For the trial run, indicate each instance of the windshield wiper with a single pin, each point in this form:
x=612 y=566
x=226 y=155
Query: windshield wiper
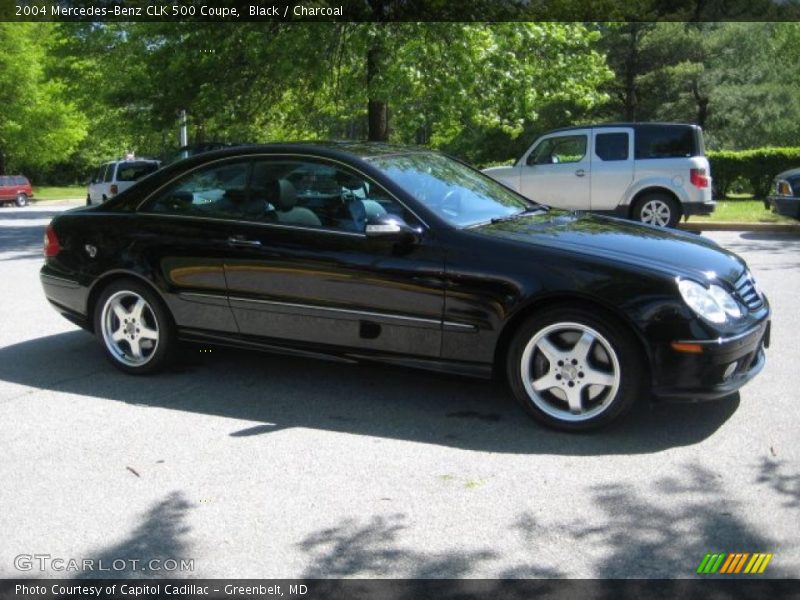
x=522 y=213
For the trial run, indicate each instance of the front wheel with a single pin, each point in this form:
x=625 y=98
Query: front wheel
x=573 y=371
x=657 y=209
x=134 y=328
x=22 y=200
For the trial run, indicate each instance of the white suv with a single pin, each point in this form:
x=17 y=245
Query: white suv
x=113 y=177
x=650 y=172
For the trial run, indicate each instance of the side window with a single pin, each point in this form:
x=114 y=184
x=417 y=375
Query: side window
x=664 y=142
x=611 y=146
x=562 y=149
x=109 y=175
x=316 y=194
x=218 y=191
x=4 y=181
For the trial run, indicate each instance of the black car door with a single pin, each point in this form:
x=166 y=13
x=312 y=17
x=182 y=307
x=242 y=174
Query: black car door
x=301 y=268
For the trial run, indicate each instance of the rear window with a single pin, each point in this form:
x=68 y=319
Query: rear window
x=668 y=142
x=135 y=170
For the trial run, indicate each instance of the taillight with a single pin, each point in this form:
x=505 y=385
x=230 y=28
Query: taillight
x=114 y=189
x=51 y=243
x=698 y=178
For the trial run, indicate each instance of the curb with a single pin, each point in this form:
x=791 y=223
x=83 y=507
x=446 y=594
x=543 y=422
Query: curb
x=722 y=226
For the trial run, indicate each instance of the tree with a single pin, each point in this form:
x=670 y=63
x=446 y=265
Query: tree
x=38 y=124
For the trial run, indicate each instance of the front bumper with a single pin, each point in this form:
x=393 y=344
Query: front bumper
x=787 y=206
x=719 y=369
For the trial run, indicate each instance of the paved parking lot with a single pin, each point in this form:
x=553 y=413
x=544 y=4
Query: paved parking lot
x=256 y=465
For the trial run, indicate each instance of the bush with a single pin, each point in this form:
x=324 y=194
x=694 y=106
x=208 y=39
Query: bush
x=757 y=167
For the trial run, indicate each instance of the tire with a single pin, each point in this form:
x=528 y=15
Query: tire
x=134 y=328
x=657 y=209
x=22 y=200
x=573 y=371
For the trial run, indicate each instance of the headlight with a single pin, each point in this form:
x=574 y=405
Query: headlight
x=712 y=303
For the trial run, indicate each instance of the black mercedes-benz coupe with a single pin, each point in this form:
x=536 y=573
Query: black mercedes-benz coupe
x=405 y=256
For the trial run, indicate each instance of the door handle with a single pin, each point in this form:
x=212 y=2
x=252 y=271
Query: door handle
x=238 y=240
x=580 y=172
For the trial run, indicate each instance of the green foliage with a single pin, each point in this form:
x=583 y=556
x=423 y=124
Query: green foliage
x=39 y=125
x=756 y=167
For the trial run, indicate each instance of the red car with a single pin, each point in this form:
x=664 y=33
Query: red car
x=16 y=189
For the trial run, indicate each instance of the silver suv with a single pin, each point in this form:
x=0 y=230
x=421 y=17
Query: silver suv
x=117 y=175
x=650 y=172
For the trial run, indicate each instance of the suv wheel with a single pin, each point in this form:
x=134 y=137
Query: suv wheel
x=22 y=200
x=573 y=371
x=657 y=209
x=135 y=330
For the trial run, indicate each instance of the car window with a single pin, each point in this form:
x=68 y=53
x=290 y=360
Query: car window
x=217 y=191
x=455 y=192
x=4 y=181
x=611 y=146
x=318 y=194
x=109 y=173
x=561 y=149
x=664 y=142
x=131 y=171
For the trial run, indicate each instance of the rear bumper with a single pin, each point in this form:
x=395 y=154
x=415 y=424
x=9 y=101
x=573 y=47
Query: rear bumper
x=723 y=366
x=66 y=296
x=698 y=208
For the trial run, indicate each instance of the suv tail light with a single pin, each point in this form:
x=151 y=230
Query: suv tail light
x=114 y=189
x=698 y=178
x=51 y=244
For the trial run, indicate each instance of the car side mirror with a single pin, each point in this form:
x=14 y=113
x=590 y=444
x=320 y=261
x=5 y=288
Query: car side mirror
x=392 y=228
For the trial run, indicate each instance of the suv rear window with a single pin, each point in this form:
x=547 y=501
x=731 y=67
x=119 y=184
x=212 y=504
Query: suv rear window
x=666 y=142
x=132 y=171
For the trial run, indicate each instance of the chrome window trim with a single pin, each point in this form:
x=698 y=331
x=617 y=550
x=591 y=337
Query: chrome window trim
x=270 y=225
x=253 y=157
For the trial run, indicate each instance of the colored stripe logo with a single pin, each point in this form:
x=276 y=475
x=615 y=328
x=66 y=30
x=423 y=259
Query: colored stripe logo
x=734 y=563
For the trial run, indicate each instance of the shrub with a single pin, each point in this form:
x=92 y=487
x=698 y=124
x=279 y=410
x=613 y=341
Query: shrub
x=757 y=167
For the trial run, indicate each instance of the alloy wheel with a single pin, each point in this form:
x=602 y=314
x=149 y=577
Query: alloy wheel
x=570 y=372
x=129 y=328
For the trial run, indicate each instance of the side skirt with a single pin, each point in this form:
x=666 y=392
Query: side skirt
x=342 y=355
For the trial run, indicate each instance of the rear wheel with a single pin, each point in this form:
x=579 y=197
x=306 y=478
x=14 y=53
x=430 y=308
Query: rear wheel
x=657 y=209
x=572 y=370
x=22 y=200
x=135 y=330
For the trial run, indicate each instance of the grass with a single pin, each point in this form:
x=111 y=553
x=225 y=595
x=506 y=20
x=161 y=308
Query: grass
x=59 y=193
x=741 y=211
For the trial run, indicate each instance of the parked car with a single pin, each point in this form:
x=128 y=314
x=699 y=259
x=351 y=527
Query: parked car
x=650 y=172
x=387 y=254
x=785 y=195
x=116 y=176
x=16 y=189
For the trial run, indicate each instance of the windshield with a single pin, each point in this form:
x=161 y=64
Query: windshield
x=458 y=194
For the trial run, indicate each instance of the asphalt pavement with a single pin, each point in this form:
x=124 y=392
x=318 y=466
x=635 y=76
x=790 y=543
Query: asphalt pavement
x=256 y=465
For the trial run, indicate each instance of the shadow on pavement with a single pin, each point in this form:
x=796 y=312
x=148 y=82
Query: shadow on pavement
x=278 y=392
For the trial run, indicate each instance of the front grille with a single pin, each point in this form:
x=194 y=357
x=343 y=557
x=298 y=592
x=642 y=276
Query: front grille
x=747 y=292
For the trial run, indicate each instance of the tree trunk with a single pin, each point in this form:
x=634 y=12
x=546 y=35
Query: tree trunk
x=377 y=109
x=702 y=104
x=631 y=70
